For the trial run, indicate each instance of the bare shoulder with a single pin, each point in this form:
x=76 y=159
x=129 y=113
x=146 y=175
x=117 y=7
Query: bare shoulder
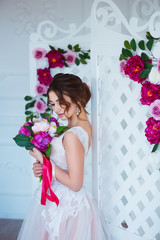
x=70 y=140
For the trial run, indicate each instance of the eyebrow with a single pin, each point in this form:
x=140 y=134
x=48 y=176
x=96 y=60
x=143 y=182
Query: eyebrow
x=52 y=101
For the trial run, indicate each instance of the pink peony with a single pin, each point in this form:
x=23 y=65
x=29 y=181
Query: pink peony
x=41 y=126
x=152 y=131
x=122 y=64
x=24 y=130
x=39 y=53
x=40 y=106
x=155 y=109
x=55 y=59
x=149 y=93
x=44 y=76
x=134 y=67
x=52 y=119
x=40 y=89
x=41 y=141
x=158 y=65
x=70 y=57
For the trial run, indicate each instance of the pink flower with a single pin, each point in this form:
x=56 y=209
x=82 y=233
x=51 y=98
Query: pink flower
x=133 y=67
x=152 y=132
x=41 y=126
x=155 y=109
x=44 y=76
x=149 y=93
x=158 y=65
x=55 y=59
x=39 y=53
x=122 y=64
x=40 y=89
x=70 y=57
x=52 y=119
x=24 y=130
x=41 y=141
x=40 y=106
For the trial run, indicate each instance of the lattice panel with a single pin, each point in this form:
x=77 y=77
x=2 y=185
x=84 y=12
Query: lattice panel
x=129 y=187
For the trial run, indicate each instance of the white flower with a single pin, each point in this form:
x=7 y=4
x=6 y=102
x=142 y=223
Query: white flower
x=154 y=76
x=52 y=129
x=154 y=159
x=43 y=63
x=41 y=126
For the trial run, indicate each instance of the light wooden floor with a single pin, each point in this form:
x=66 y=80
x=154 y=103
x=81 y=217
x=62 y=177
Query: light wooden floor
x=9 y=229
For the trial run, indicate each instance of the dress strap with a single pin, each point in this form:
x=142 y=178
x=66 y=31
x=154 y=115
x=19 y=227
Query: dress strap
x=82 y=135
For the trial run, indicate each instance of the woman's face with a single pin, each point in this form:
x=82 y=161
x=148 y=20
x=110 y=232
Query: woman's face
x=59 y=110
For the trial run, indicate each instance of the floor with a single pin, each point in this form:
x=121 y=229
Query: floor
x=9 y=229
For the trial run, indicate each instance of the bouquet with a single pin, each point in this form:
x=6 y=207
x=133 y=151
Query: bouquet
x=39 y=133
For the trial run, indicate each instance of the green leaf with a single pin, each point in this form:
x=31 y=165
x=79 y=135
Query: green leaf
x=77 y=61
x=149 y=44
x=45 y=95
x=40 y=178
x=30 y=104
x=126 y=53
x=70 y=47
x=155 y=147
x=141 y=45
x=133 y=44
x=61 y=50
x=61 y=129
x=77 y=48
x=144 y=56
x=28 y=118
x=28 y=98
x=29 y=146
x=49 y=117
x=127 y=45
x=28 y=112
x=83 y=61
x=148 y=65
x=51 y=47
x=121 y=57
x=86 y=55
x=148 y=35
x=22 y=140
x=82 y=56
x=47 y=152
x=144 y=73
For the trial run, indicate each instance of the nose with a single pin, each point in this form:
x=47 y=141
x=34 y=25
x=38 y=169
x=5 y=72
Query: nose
x=57 y=108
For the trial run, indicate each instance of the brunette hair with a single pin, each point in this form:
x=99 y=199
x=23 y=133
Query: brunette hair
x=72 y=86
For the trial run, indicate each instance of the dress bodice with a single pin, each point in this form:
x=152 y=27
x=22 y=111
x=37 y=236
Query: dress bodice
x=58 y=152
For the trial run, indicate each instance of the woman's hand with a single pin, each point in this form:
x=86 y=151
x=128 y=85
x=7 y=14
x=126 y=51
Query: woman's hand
x=37 y=169
x=36 y=154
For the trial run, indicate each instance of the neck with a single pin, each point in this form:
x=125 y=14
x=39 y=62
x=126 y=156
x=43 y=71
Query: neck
x=77 y=120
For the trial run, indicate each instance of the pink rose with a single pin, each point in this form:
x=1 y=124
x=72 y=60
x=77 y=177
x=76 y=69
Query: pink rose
x=133 y=67
x=149 y=93
x=152 y=132
x=39 y=53
x=70 y=57
x=44 y=76
x=55 y=59
x=41 y=141
x=24 y=130
x=122 y=64
x=155 y=109
x=40 y=89
x=40 y=106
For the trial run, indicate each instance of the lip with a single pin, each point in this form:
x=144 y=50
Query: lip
x=60 y=115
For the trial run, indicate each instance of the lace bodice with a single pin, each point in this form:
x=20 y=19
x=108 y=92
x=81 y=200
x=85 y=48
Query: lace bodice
x=58 y=152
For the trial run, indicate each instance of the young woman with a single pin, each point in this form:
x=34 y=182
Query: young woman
x=76 y=216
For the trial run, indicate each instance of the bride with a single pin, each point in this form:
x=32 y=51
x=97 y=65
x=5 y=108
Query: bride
x=76 y=216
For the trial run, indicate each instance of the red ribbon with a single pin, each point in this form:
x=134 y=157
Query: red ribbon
x=46 y=182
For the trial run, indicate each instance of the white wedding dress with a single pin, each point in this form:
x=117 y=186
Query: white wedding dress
x=76 y=217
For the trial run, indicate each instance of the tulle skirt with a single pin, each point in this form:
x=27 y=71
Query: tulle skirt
x=76 y=217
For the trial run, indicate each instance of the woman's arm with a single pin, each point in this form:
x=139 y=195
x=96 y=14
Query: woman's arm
x=74 y=151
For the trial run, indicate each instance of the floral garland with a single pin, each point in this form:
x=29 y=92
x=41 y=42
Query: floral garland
x=145 y=69
x=36 y=107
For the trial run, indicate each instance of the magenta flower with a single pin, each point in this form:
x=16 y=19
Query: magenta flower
x=122 y=64
x=24 y=130
x=41 y=140
x=70 y=57
x=155 y=109
x=44 y=76
x=40 y=106
x=133 y=67
x=40 y=89
x=149 y=93
x=158 y=65
x=152 y=131
x=52 y=119
x=39 y=53
x=55 y=59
